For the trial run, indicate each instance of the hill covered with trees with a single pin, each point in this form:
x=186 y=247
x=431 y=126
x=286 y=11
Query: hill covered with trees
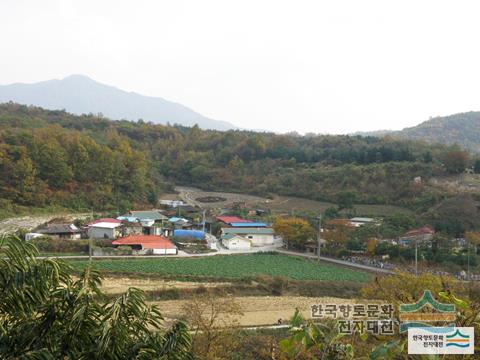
x=462 y=129
x=84 y=162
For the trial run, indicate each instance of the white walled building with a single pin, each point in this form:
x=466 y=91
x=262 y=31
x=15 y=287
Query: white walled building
x=236 y=242
x=257 y=236
x=104 y=230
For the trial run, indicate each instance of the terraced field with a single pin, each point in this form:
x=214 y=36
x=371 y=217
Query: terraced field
x=232 y=266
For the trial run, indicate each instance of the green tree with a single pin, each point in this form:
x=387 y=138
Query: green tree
x=315 y=341
x=46 y=313
x=476 y=166
x=346 y=199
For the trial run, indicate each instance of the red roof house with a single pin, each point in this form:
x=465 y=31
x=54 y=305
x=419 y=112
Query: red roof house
x=232 y=219
x=159 y=244
x=423 y=234
x=425 y=230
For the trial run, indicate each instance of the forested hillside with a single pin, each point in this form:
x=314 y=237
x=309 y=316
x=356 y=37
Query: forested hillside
x=462 y=129
x=84 y=162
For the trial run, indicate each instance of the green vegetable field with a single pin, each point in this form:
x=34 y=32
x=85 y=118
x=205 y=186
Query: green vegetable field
x=232 y=266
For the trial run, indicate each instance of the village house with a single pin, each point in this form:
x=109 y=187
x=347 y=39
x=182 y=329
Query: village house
x=148 y=215
x=359 y=221
x=131 y=227
x=421 y=235
x=257 y=236
x=148 y=244
x=180 y=223
x=61 y=231
x=105 y=230
x=236 y=242
x=171 y=203
x=232 y=219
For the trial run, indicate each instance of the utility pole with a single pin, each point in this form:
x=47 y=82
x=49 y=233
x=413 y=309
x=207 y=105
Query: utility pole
x=89 y=249
x=203 y=221
x=416 y=257
x=319 y=240
x=90 y=244
x=468 y=260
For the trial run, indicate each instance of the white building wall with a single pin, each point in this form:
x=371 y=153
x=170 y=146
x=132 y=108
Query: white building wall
x=237 y=243
x=260 y=239
x=164 y=251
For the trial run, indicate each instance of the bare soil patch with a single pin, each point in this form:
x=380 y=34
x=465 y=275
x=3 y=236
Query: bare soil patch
x=118 y=285
x=11 y=225
x=259 y=310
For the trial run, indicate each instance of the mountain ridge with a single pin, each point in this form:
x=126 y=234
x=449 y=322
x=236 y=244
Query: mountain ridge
x=80 y=94
x=462 y=129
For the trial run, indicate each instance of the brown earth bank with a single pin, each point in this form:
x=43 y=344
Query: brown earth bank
x=118 y=285
x=258 y=310
x=29 y=222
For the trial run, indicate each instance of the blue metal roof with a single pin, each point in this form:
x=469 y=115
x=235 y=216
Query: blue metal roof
x=175 y=219
x=249 y=224
x=197 y=234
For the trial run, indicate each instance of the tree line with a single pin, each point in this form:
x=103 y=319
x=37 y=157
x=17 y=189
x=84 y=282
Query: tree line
x=56 y=158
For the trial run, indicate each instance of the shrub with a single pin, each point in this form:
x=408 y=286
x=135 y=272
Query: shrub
x=49 y=245
x=124 y=250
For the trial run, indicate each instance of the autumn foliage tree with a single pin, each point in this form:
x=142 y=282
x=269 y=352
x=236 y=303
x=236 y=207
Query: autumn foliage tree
x=294 y=231
x=456 y=161
x=337 y=232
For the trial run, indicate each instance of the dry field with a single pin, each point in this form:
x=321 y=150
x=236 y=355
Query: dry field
x=288 y=204
x=118 y=285
x=259 y=310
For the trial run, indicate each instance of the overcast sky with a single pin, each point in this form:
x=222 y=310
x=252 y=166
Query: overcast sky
x=310 y=66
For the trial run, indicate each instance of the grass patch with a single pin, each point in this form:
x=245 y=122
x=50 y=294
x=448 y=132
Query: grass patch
x=232 y=267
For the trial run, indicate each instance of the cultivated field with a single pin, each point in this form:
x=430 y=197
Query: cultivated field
x=287 y=204
x=232 y=266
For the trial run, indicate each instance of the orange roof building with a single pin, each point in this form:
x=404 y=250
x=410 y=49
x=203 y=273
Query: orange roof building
x=158 y=244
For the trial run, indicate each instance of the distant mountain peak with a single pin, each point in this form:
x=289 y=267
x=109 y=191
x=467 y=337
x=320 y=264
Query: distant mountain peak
x=80 y=94
x=77 y=77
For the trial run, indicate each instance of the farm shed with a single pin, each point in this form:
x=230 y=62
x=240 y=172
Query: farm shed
x=258 y=236
x=104 y=230
x=61 y=231
x=158 y=244
x=236 y=242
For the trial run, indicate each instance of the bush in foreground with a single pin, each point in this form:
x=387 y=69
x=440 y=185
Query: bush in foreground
x=45 y=313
